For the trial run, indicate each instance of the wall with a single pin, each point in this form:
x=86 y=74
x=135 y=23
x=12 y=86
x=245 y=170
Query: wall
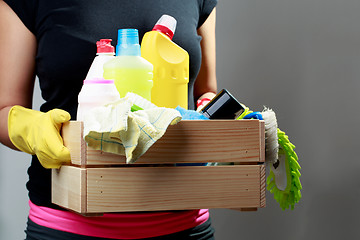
x=301 y=58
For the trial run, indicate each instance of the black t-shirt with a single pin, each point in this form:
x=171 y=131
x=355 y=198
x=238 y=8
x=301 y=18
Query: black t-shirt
x=67 y=31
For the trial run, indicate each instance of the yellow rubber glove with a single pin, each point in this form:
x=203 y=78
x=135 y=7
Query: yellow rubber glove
x=38 y=133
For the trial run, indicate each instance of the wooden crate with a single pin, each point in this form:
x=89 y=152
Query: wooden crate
x=99 y=182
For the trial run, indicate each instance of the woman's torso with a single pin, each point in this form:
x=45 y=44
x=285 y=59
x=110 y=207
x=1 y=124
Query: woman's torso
x=67 y=31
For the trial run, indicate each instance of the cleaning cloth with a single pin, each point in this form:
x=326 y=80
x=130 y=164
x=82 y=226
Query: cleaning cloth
x=114 y=128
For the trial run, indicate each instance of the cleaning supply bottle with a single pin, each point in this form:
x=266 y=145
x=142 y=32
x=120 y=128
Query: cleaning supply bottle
x=130 y=72
x=105 y=52
x=171 y=65
x=95 y=92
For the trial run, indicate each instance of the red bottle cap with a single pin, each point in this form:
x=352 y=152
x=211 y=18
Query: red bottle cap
x=104 y=46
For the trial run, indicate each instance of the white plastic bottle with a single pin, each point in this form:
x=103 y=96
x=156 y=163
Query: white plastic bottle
x=96 y=91
x=105 y=52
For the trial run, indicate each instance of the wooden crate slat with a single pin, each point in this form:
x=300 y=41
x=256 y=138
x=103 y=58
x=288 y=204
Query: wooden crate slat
x=72 y=134
x=68 y=188
x=204 y=141
x=173 y=188
x=262 y=141
x=262 y=186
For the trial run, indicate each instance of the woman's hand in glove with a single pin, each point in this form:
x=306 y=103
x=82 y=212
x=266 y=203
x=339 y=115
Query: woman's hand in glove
x=38 y=133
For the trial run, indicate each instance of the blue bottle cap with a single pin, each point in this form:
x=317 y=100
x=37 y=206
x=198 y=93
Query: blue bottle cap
x=128 y=42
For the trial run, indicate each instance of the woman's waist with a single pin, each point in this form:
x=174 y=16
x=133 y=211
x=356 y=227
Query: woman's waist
x=118 y=225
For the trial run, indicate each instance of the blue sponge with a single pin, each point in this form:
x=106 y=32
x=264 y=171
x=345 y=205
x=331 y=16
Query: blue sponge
x=190 y=114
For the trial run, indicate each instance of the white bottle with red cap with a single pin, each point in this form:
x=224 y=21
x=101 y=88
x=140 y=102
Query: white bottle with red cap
x=96 y=91
x=105 y=52
x=171 y=65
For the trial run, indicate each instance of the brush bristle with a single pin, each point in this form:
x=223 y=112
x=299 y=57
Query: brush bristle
x=271 y=137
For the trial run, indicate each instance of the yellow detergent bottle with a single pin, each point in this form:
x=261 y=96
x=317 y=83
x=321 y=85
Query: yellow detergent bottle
x=171 y=65
x=130 y=72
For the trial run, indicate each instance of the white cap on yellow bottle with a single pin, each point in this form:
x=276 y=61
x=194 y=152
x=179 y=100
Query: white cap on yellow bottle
x=166 y=25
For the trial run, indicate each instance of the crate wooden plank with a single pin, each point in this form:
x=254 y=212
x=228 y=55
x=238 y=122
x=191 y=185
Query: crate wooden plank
x=69 y=188
x=188 y=141
x=174 y=188
x=262 y=186
x=262 y=141
x=72 y=134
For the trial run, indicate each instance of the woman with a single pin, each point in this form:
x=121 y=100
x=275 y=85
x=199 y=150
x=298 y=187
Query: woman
x=55 y=40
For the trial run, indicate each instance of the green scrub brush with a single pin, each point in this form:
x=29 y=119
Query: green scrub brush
x=284 y=177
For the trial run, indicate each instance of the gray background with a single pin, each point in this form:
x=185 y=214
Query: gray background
x=301 y=58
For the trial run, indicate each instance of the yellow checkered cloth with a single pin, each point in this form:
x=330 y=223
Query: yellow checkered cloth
x=114 y=128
